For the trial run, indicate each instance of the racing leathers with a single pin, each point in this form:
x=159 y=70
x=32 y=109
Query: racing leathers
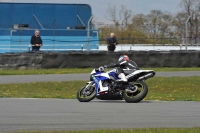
x=124 y=67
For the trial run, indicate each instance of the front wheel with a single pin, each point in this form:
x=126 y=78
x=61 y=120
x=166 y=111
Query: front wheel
x=87 y=93
x=139 y=95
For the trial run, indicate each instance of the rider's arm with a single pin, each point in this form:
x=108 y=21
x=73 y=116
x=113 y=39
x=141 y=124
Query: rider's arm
x=118 y=64
x=113 y=65
x=123 y=62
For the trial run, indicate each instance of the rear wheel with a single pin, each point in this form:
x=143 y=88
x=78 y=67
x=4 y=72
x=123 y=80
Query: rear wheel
x=139 y=95
x=87 y=93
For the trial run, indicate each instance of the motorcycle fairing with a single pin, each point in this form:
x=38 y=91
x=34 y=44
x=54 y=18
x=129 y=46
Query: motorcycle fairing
x=98 y=78
x=139 y=72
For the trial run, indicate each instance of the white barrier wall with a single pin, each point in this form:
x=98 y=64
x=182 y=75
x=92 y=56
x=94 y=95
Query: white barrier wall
x=143 y=47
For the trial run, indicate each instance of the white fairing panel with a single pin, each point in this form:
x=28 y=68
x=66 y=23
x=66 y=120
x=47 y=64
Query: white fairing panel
x=138 y=72
x=102 y=89
x=93 y=72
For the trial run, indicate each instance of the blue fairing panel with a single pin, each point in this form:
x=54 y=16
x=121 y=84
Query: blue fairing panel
x=113 y=74
x=103 y=78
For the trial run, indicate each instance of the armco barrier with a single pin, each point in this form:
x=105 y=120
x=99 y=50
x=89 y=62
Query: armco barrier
x=84 y=59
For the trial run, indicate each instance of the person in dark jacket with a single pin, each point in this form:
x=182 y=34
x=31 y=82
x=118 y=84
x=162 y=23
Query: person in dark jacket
x=112 y=42
x=36 y=41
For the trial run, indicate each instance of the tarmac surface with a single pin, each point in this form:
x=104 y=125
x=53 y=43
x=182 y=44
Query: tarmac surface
x=71 y=77
x=57 y=114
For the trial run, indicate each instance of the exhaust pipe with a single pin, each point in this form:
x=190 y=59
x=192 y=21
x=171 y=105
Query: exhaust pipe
x=150 y=75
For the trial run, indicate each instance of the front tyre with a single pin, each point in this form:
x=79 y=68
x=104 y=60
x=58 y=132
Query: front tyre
x=87 y=93
x=139 y=95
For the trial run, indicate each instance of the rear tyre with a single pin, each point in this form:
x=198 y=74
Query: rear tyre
x=87 y=93
x=139 y=95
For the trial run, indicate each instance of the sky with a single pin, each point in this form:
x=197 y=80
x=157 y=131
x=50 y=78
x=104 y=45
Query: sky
x=137 y=6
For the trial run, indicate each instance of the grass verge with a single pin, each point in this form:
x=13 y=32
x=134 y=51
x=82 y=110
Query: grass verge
x=163 y=89
x=150 y=130
x=46 y=71
x=80 y=70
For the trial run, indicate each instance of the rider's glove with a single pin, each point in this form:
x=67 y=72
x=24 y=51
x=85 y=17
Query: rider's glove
x=101 y=69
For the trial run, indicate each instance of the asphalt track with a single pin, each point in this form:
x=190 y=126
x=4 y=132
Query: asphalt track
x=56 y=114
x=71 y=77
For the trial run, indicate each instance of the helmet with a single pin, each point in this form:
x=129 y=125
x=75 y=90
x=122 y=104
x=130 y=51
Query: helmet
x=123 y=57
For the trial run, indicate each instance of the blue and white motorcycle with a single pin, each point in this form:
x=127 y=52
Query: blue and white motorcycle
x=106 y=83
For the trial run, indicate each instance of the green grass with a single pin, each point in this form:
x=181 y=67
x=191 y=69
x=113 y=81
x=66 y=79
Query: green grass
x=41 y=90
x=166 y=89
x=45 y=71
x=80 y=70
x=167 y=69
x=174 y=88
x=149 y=130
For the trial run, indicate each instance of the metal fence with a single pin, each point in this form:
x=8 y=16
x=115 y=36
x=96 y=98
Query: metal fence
x=17 y=39
x=140 y=33
x=14 y=39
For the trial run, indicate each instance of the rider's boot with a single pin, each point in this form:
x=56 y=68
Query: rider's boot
x=122 y=78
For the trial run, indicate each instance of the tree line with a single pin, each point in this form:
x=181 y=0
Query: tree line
x=157 y=27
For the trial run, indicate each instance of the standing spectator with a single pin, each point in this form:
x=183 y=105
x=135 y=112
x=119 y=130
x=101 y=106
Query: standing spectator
x=36 y=41
x=112 y=42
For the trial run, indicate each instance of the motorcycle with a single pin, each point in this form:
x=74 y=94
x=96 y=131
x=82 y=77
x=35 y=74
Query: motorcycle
x=107 y=83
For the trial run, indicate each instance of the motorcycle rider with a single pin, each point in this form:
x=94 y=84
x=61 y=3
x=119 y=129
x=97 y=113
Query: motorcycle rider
x=124 y=66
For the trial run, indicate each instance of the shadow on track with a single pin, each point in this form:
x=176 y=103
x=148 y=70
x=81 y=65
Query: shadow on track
x=117 y=101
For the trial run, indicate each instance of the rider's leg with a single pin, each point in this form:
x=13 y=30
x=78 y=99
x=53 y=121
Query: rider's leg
x=122 y=77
